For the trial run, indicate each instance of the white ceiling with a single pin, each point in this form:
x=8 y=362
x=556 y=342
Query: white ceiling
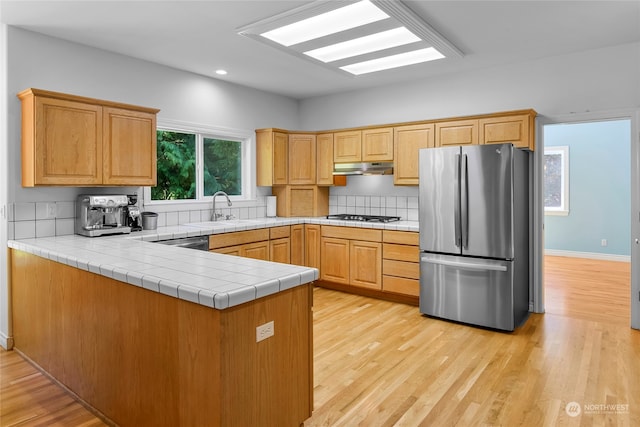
x=200 y=36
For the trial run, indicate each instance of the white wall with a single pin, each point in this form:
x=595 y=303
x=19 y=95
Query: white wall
x=47 y=63
x=595 y=80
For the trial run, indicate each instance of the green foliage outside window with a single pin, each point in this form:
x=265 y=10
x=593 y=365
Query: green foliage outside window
x=176 y=166
x=176 y=151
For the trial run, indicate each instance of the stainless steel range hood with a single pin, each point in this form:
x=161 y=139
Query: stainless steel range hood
x=366 y=168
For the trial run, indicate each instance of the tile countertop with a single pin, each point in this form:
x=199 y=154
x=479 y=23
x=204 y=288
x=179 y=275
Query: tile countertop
x=211 y=279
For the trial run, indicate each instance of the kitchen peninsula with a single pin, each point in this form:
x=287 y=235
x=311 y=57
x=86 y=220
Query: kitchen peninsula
x=149 y=334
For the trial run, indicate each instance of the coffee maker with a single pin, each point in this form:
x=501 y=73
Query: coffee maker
x=97 y=215
x=131 y=213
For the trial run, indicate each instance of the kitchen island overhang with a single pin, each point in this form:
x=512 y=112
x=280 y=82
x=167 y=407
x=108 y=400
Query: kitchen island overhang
x=154 y=350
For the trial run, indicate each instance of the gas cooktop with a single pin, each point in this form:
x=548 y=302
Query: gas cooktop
x=364 y=218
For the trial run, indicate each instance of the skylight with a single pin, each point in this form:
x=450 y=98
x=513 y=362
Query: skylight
x=362 y=37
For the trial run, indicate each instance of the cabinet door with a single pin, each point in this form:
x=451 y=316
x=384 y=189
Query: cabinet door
x=312 y=245
x=129 y=147
x=324 y=159
x=280 y=158
x=229 y=250
x=459 y=132
x=68 y=144
x=377 y=145
x=258 y=250
x=408 y=140
x=334 y=254
x=365 y=260
x=499 y=130
x=280 y=250
x=347 y=147
x=302 y=159
x=297 y=244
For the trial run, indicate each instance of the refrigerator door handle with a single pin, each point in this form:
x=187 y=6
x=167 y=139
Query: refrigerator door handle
x=465 y=265
x=456 y=207
x=464 y=201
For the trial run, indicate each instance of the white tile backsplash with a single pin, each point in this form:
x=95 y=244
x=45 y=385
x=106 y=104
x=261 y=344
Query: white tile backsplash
x=25 y=229
x=406 y=207
x=46 y=228
x=24 y=211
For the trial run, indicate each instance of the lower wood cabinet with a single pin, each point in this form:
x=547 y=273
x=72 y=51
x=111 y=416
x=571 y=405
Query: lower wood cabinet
x=401 y=262
x=251 y=244
x=351 y=256
x=297 y=245
x=312 y=249
x=280 y=244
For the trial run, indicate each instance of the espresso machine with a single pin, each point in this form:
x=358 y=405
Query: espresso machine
x=131 y=213
x=100 y=215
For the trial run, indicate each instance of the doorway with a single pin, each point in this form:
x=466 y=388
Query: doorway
x=587 y=196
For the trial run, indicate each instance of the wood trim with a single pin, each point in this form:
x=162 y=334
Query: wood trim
x=368 y=292
x=83 y=99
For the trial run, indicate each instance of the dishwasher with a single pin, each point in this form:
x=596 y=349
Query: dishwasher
x=199 y=242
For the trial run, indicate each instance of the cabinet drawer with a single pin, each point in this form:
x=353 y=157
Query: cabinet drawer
x=237 y=238
x=409 y=270
x=401 y=285
x=366 y=234
x=401 y=237
x=400 y=252
x=279 y=232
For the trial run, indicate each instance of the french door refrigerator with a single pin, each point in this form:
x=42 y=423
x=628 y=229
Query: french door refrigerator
x=474 y=234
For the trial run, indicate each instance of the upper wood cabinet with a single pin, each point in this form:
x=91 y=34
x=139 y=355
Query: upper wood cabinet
x=69 y=140
x=302 y=159
x=517 y=130
x=369 y=145
x=408 y=140
x=458 y=132
x=272 y=157
x=347 y=147
x=324 y=159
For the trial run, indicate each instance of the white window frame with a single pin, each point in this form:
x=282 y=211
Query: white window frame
x=201 y=132
x=563 y=209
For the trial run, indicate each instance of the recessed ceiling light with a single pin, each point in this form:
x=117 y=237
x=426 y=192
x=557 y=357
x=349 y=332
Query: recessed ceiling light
x=221 y=72
x=337 y=20
x=360 y=46
x=394 y=61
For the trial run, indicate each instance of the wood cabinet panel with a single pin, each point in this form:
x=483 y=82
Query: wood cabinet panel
x=408 y=140
x=229 y=250
x=257 y=250
x=302 y=159
x=409 y=270
x=324 y=159
x=129 y=147
x=365 y=264
x=301 y=200
x=70 y=322
x=297 y=244
x=237 y=238
x=280 y=250
x=401 y=252
x=279 y=232
x=312 y=245
x=347 y=147
x=458 y=132
x=401 y=237
x=272 y=157
x=367 y=234
x=377 y=145
x=508 y=129
x=334 y=260
x=401 y=285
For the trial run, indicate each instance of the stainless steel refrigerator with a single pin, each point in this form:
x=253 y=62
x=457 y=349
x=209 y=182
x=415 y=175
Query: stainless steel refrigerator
x=474 y=234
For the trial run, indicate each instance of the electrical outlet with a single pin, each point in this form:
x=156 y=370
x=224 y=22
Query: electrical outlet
x=264 y=331
x=603 y=242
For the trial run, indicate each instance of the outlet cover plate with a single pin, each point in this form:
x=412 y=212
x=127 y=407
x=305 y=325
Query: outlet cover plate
x=264 y=331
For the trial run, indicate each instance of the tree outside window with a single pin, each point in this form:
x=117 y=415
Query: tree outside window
x=556 y=180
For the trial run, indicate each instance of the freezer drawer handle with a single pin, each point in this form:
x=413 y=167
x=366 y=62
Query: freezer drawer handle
x=466 y=265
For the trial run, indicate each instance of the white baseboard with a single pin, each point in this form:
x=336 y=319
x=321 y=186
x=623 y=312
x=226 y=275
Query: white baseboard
x=590 y=255
x=6 y=342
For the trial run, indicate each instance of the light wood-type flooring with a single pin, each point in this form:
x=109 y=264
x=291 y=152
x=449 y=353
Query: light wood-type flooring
x=382 y=364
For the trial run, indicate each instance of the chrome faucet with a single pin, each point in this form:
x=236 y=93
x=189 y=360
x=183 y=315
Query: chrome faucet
x=214 y=215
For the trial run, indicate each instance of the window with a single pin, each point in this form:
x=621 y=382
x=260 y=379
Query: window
x=556 y=180
x=194 y=163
